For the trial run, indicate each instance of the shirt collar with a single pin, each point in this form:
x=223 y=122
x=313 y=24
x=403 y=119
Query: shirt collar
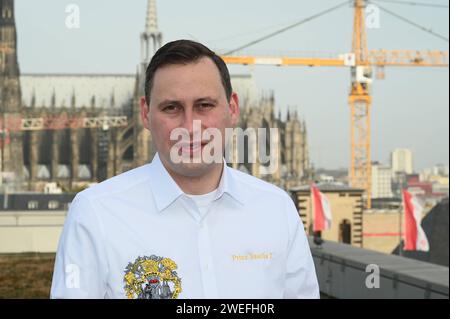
x=229 y=185
x=166 y=190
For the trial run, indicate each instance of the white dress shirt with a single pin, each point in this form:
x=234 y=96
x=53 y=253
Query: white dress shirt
x=137 y=235
x=204 y=201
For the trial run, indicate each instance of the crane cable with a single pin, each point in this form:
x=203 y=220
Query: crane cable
x=421 y=4
x=317 y=15
x=408 y=21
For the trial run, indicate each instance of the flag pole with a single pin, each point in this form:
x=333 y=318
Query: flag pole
x=400 y=213
x=310 y=212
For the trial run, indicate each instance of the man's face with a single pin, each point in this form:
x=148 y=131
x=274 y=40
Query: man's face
x=182 y=94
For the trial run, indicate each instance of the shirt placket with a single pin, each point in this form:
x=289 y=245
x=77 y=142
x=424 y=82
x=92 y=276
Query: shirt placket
x=205 y=252
x=206 y=261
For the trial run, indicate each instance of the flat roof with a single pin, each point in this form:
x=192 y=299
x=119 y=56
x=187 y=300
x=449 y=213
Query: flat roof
x=412 y=271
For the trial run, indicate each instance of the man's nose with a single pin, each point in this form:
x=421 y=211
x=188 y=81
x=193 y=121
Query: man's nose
x=189 y=124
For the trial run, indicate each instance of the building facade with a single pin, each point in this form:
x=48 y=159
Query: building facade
x=346 y=205
x=74 y=155
x=402 y=161
x=381 y=181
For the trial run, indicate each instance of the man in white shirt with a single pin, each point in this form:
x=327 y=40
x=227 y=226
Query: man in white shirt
x=184 y=229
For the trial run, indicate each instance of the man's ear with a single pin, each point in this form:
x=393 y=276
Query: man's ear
x=145 y=111
x=234 y=108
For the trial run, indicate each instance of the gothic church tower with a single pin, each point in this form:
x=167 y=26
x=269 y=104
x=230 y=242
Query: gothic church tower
x=151 y=41
x=10 y=96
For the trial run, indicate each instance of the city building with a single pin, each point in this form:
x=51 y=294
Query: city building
x=402 y=161
x=381 y=181
x=346 y=205
x=430 y=192
x=438 y=176
x=81 y=129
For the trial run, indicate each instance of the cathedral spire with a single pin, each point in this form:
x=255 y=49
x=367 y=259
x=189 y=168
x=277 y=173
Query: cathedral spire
x=151 y=38
x=151 y=25
x=33 y=98
x=53 y=99
x=151 y=41
x=10 y=94
x=9 y=66
x=73 y=99
x=113 y=98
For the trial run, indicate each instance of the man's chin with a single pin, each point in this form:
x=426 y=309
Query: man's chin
x=192 y=169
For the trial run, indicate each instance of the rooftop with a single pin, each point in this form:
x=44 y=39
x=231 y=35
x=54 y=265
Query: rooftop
x=343 y=272
x=327 y=187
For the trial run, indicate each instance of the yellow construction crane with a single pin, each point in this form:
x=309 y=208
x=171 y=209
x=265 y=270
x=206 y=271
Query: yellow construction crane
x=360 y=61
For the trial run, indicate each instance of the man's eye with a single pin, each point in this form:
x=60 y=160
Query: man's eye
x=206 y=105
x=171 y=108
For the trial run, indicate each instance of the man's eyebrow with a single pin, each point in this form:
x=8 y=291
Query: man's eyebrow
x=206 y=99
x=179 y=103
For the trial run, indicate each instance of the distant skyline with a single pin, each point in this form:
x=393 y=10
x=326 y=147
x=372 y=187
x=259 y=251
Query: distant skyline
x=410 y=107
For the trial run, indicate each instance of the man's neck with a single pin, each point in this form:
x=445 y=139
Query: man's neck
x=199 y=185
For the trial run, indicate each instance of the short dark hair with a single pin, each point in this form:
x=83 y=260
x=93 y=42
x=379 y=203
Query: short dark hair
x=184 y=52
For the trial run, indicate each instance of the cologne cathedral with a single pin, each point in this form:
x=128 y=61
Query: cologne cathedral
x=75 y=129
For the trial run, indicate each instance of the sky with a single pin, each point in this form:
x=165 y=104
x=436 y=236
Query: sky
x=410 y=107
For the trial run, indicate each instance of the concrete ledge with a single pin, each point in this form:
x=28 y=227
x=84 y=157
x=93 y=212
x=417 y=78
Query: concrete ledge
x=30 y=231
x=341 y=271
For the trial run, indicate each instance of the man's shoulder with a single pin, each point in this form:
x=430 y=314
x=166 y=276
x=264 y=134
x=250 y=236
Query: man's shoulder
x=121 y=183
x=257 y=185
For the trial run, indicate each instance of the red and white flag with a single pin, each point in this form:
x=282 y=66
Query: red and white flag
x=415 y=238
x=322 y=210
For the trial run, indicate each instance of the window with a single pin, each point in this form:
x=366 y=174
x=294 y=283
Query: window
x=53 y=204
x=345 y=232
x=33 y=204
x=6 y=13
